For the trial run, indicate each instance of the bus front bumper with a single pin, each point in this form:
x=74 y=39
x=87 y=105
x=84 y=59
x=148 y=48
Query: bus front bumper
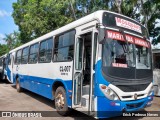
x=107 y=108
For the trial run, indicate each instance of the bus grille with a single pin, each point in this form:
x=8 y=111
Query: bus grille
x=132 y=88
x=136 y=105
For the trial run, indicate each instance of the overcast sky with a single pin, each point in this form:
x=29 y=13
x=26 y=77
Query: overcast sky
x=7 y=25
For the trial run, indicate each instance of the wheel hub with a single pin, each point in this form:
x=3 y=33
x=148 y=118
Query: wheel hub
x=60 y=101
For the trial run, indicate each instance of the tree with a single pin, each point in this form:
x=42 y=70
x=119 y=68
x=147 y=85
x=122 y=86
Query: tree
x=150 y=11
x=3 y=49
x=12 y=40
x=9 y=40
x=38 y=17
x=144 y=11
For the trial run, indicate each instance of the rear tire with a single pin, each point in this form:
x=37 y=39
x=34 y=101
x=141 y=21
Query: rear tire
x=18 y=87
x=61 y=101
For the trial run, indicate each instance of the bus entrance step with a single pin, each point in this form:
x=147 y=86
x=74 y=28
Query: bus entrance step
x=85 y=101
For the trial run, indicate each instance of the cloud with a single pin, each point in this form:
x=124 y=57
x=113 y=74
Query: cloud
x=4 y=13
x=1 y=36
x=1 y=39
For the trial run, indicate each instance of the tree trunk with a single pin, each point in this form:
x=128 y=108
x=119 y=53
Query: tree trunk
x=119 y=4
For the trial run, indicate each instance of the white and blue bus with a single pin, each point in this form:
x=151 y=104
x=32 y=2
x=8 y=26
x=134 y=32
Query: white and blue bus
x=3 y=66
x=99 y=64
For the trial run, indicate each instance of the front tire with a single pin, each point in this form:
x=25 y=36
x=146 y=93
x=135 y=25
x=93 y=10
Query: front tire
x=61 y=101
x=18 y=87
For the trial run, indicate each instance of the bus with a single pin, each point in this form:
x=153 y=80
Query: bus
x=99 y=65
x=3 y=67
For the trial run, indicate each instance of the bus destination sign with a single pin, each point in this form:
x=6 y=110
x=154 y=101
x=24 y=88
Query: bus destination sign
x=127 y=24
x=131 y=39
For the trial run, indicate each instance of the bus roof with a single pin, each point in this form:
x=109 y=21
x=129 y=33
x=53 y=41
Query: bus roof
x=3 y=56
x=93 y=16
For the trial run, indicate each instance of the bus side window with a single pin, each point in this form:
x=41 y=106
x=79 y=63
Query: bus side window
x=25 y=55
x=33 y=54
x=64 y=47
x=45 y=51
x=18 y=57
x=9 y=59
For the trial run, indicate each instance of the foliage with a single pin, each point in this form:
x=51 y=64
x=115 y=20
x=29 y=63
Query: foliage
x=12 y=40
x=3 y=49
x=144 y=11
x=151 y=13
x=38 y=17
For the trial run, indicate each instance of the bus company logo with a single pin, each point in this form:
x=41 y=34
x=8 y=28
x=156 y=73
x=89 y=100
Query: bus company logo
x=135 y=96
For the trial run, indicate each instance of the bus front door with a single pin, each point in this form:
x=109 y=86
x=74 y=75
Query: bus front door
x=78 y=72
x=12 y=63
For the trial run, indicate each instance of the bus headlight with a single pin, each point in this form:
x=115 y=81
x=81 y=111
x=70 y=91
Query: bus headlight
x=108 y=92
x=151 y=91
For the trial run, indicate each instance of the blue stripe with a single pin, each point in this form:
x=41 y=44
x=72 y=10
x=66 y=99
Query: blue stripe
x=8 y=73
x=43 y=86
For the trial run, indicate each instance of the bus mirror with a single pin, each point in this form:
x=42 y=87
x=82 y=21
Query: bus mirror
x=101 y=36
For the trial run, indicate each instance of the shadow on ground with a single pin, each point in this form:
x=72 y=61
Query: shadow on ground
x=76 y=115
x=73 y=113
x=4 y=81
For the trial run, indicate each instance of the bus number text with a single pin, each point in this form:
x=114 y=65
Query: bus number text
x=64 y=70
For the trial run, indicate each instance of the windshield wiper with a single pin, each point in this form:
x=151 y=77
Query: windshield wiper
x=122 y=32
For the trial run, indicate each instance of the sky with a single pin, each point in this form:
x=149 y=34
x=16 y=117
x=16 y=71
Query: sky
x=7 y=25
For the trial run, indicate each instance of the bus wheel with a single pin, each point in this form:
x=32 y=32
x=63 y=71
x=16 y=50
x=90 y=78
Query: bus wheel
x=61 y=101
x=18 y=87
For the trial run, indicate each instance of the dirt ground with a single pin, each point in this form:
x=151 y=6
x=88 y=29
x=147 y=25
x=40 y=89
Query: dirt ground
x=11 y=100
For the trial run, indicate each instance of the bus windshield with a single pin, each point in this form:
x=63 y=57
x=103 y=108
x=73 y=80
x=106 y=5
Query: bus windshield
x=143 y=57
x=117 y=53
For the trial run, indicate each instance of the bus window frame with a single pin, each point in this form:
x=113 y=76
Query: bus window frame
x=55 y=39
x=9 y=59
x=51 y=50
x=26 y=55
x=34 y=53
x=16 y=57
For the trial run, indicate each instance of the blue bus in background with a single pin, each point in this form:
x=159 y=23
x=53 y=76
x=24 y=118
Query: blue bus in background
x=3 y=66
x=99 y=65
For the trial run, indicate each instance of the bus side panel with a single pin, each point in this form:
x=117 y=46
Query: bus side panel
x=43 y=86
x=39 y=78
